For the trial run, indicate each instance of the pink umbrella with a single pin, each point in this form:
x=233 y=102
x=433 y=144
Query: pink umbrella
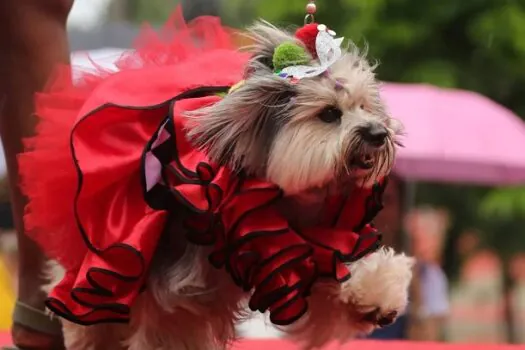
x=456 y=136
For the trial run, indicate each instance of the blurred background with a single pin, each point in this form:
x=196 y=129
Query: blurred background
x=455 y=201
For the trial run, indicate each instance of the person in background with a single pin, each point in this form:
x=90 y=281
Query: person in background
x=517 y=297
x=33 y=40
x=477 y=297
x=429 y=291
x=427 y=228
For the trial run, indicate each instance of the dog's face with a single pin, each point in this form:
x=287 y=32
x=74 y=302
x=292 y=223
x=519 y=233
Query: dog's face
x=321 y=131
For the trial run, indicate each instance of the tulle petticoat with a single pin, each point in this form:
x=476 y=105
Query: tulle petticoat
x=49 y=177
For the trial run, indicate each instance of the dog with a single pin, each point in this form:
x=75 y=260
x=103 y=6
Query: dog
x=313 y=138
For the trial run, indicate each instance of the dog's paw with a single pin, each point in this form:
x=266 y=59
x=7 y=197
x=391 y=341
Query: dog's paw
x=377 y=292
x=378 y=317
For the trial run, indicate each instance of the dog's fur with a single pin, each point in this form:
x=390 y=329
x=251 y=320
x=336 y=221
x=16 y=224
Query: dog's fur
x=270 y=128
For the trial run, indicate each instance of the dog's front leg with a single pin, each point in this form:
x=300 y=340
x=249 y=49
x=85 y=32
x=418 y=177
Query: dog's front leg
x=373 y=297
x=378 y=288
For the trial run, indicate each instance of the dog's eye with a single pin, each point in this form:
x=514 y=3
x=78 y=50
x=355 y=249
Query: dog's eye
x=362 y=106
x=330 y=115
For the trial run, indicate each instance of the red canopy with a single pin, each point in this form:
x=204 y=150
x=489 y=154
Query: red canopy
x=274 y=344
x=373 y=345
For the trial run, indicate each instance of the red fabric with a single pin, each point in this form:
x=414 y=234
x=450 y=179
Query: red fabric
x=88 y=209
x=275 y=344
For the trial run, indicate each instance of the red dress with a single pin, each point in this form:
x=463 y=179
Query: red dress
x=110 y=162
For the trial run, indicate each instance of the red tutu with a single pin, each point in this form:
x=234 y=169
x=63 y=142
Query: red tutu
x=110 y=162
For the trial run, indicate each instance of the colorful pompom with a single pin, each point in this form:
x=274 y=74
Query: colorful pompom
x=307 y=34
x=288 y=55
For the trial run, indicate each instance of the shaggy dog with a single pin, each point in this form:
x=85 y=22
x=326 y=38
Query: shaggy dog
x=313 y=137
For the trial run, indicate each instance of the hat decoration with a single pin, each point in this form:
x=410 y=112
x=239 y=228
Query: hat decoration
x=291 y=61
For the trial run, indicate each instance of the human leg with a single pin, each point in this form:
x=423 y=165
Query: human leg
x=33 y=40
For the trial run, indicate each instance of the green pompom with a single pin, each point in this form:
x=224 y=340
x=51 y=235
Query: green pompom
x=289 y=54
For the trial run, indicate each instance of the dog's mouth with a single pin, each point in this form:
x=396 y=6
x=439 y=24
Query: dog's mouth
x=364 y=162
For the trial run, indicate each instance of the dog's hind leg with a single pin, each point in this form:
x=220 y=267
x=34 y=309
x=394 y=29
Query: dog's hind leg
x=188 y=305
x=189 y=327
x=97 y=337
x=77 y=337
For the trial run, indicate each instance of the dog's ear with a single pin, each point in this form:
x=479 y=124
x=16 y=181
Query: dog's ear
x=266 y=38
x=239 y=130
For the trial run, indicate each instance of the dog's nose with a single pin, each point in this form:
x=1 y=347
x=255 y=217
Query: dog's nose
x=374 y=134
